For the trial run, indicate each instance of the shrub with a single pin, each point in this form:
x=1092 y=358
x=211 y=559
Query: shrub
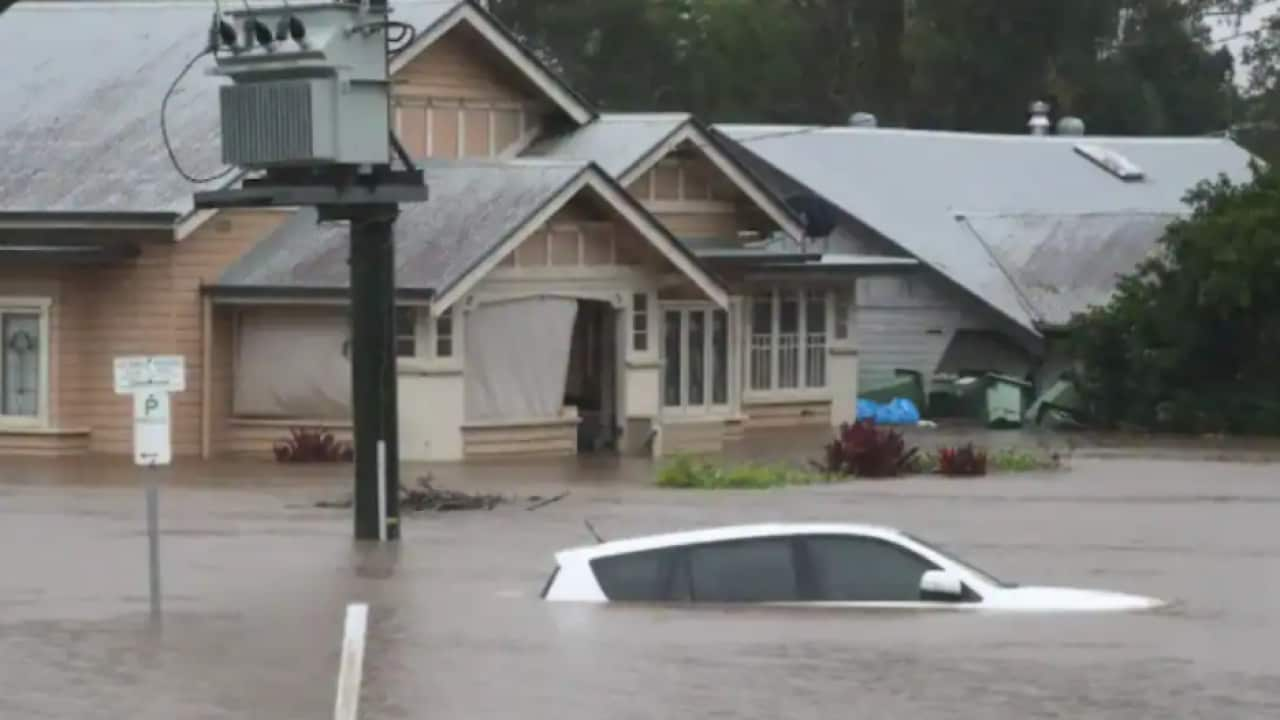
x=1010 y=460
x=1188 y=341
x=964 y=461
x=686 y=472
x=864 y=450
x=312 y=445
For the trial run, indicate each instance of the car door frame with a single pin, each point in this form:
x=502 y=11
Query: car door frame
x=809 y=586
x=682 y=563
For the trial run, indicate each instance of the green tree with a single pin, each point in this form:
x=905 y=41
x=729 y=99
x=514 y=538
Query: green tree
x=1189 y=341
x=1127 y=66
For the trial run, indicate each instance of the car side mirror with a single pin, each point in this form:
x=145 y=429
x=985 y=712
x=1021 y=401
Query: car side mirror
x=940 y=584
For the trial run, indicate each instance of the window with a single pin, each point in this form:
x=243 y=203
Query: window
x=762 y=343
x=844 y=312
x=648 y=576
x=672 y=358
x=640 y=322
x=719 y=358
x=20 y=363
x=863 y=569
x=789 y=340
x=815 y=353
x=744 y=571
x=406 y=332
x=695 y=358
x=444 y=334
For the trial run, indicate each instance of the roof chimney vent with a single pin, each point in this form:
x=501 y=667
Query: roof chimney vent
x=863 y=120
x=1039 y=123
x=1071 y=125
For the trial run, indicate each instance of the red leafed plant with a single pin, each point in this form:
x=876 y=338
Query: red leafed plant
x=312 y=445
x=864 y=450
x=962 y=461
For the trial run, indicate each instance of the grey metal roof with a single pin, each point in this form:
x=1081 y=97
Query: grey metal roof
x=80 y=103
x=475 y=205
x=1063 y=264
x=614 y=141
x=80 y=106
x=909 y=185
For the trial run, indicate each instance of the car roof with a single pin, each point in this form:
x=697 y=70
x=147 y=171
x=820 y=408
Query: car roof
x=719 y=534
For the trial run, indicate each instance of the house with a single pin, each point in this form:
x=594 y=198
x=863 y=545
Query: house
x=1014 y=233
x=579 y=281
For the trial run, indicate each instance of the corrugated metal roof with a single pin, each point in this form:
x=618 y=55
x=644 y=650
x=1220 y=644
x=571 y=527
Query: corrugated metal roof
x=80 y=106
x=474 y=206
x=909 y=185
x=80 y=103
x=614 y=141
x=1063 y=264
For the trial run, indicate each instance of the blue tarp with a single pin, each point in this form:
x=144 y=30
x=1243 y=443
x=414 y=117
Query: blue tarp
x=899 y=411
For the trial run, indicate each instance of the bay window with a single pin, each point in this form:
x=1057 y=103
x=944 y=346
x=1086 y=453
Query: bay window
x=788 y=340
x=695 y=348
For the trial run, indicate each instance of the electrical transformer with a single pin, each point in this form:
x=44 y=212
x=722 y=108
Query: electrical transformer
x=309 y=85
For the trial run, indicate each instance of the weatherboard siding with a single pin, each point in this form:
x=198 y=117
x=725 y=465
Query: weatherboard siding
x=460 y=98
x=147 y=306
x=694 y=200
x=906 y=322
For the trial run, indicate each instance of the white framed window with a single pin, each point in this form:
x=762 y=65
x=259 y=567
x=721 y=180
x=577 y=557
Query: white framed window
x=844 y=313
x=788 y=340
x=444 y=335
x=695 y=353
x=640 y=322
x=406 y=331
x=24 y=361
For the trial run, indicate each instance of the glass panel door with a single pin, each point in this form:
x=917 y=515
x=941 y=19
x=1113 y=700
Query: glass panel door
x=696 y=359
x=672 y=370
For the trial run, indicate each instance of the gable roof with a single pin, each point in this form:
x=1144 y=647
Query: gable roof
x=479 y=209
x=616 y=142
x=91 y=100
x=908 y=186
x=80 y=106
x=435 y=18
x=627 y=145
x=1061 y=265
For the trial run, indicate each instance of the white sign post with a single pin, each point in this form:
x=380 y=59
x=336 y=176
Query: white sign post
x=150 y=379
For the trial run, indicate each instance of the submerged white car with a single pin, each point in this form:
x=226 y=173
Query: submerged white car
x=802 y=564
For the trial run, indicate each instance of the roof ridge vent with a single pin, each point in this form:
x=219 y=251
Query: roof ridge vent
x=1111 y=161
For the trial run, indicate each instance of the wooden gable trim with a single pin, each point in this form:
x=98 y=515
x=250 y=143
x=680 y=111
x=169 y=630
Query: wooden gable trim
x=550 y=86
x=691 y=133
x=626 y=207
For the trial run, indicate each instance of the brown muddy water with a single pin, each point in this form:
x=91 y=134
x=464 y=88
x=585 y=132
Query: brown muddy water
x=256 y=581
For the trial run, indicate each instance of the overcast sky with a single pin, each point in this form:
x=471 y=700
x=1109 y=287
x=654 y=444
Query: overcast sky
x=1225 y=28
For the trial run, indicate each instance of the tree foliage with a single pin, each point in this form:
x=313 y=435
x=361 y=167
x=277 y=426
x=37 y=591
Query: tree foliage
x=1190 y=340
x=1127 y=66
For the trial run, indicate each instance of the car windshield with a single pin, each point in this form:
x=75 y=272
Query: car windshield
x=992 y=579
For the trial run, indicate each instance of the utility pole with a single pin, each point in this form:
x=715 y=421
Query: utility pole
x=373 y=375
x=309 y=106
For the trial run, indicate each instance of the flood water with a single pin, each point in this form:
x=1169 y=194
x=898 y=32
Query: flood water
x=256 y=579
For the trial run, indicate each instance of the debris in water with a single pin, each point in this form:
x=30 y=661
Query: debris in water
x=428 y=497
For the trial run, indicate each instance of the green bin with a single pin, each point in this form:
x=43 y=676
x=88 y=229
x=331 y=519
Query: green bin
x=1005 y=400
x=907 y=384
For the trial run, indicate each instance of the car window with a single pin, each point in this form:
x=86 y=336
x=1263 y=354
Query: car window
x=635 y=577
x=864 y=569
x=988 y=577
x=743 y=571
